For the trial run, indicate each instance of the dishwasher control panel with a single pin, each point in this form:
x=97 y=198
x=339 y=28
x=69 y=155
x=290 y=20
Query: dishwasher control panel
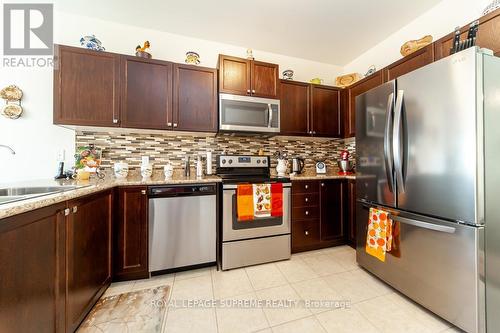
x=182 y=190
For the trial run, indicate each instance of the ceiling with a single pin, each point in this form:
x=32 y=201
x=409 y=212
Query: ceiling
x=329 y=31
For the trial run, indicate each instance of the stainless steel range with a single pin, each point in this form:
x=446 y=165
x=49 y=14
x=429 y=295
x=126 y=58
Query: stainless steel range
x=261 y=239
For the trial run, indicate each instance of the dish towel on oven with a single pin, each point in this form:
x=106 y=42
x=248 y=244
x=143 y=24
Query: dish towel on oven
x=379 y=236
x=262 y=200
x=277 y=199
x=244 y=202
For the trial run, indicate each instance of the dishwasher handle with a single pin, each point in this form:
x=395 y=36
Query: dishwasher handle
x=182 y=190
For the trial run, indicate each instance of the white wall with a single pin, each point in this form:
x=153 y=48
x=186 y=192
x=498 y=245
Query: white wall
x=36 y=140
x=438 y=22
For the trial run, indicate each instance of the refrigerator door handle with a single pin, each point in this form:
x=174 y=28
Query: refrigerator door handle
x=420 y=224
x=387 y=143
x=396 y=141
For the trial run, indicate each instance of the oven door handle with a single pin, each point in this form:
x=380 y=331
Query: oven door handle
x=233 y=187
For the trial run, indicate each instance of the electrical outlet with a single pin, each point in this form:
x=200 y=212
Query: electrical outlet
x=60 y=155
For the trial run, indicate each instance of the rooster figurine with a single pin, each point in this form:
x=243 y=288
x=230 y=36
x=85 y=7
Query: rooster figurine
x=143 y=51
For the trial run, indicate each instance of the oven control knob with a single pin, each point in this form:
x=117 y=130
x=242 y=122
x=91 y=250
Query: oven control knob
x=223 y=161
x=258 y=161
x=230 y=161
x=264 y=161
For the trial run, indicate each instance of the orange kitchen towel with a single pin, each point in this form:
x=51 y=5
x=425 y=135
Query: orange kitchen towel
x=244 y=202
x=277 y=199
x=379 y=236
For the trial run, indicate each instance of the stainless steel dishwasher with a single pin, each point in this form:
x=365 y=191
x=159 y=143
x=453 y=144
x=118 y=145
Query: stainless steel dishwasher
x=182 y=226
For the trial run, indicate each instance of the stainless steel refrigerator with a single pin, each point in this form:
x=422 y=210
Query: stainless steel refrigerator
x=428 y=152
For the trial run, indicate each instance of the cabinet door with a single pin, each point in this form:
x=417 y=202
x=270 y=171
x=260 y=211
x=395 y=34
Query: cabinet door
x=351 y=212
x=487 y=36
x=264 y=79
x=325 y=111
x=86 y=87
x=294 y=108
x=131 y=234
x=146 y=93
x=32 y=271
x=332 y=209
x=234 y=75
x=411 y=62
x=88 y=241
x=358 y=88
x=305 y=235
x=195 y=98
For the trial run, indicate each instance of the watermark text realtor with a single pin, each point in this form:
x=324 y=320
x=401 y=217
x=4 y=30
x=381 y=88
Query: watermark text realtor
x=28 y=34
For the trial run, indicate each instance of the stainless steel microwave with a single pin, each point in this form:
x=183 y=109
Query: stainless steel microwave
x=248 y=114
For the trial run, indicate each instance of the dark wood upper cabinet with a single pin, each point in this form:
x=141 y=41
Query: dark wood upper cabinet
x=240 y=76
x=234 y=75
x=32 y=271
x=325 y=111
x=146 y=93
x=130 y=254
x=417 y=59
x=356 y=89
x=332 y=209
x=265 y=79
x=294 y=108
x=487 y=36
x=88 y=253
x=195 y=98
x=86 y=87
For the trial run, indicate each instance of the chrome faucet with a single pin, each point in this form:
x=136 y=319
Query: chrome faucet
x=187 y=171
x=8 y=148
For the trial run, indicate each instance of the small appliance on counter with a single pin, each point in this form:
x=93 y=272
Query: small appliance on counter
x=320 y=168
x=298 y=164
x=345 y=164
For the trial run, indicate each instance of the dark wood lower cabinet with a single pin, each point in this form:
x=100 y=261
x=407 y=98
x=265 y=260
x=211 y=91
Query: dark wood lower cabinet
x=317 y=214
x=131 y=234
x=32 y=266
x=351 y=213
x=88 y=254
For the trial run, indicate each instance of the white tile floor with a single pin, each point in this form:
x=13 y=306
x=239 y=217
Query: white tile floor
x=329 y=274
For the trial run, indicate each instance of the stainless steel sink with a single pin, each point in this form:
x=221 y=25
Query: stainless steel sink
x=11 y=194
x=21 y=191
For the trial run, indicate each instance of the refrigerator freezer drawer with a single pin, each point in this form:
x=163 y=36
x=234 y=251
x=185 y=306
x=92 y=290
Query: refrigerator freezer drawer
x=440 y=266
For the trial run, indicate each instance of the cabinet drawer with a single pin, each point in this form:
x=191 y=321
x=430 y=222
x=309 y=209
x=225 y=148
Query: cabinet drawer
x=305 y=200
x=304 y=233
x=305 y=187
x=305 y=213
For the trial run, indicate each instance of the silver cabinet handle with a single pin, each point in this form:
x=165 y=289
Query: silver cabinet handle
x=248 y=91
x=396 y=141
x=66 y=212
x=306 y=187
x=307 y=199
x=314 y=132
x=169 y=124
x=422 y=224
x=115 y=121
x=175 y=124
x=75 y=209
x=307 y=212
x=387 y=143
x=307 y=233
x=322 y=184
x=253 y=91
x=143 y=191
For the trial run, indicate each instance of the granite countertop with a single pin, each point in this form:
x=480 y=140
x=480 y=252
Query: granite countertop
x=97 y=185
x=89 y=187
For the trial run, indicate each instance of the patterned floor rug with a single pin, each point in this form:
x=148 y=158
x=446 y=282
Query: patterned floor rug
x=136 y=311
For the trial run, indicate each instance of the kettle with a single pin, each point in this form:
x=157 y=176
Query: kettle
x=297 y=165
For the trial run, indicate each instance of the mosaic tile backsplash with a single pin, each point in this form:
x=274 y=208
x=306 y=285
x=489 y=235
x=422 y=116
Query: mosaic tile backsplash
x=130 y=147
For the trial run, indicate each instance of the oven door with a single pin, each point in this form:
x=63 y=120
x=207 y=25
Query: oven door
x=232 y=229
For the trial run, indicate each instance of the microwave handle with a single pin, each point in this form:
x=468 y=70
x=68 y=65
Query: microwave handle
x=270 y=110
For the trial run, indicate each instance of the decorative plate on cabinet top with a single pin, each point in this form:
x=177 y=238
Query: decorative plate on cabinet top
x=11 y=93
x=91 y=43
